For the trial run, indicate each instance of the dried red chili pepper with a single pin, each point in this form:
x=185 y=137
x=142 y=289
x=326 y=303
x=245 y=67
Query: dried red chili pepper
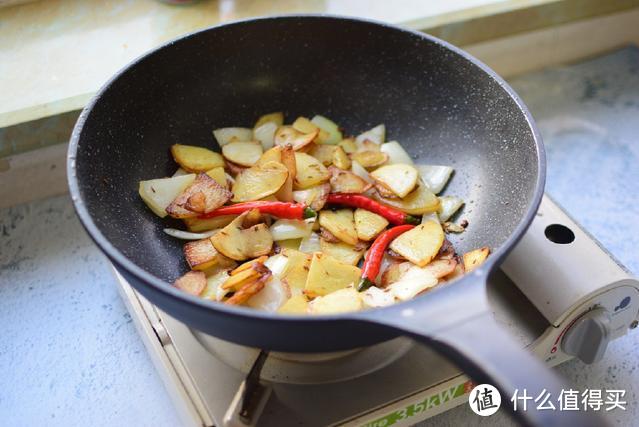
x=284 y=210
x=373 y=260
x=394 y=216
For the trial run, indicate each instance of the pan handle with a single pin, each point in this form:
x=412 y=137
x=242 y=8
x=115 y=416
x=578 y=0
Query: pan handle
x=479 y=346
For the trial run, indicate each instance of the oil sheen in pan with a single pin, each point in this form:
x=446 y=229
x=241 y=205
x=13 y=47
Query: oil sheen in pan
x=311 y=368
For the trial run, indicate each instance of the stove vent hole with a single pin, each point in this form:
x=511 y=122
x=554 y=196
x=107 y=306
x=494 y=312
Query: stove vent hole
x=560 y=234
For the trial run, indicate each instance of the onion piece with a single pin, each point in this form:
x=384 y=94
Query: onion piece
x=396 y=153
x=271 y=297
x=376 y=135
x=285 y=229
x=359 y=170
x=310 y=244
x=278 y=264
x=226 y=135
x=180 y=172
x=265 y=134
x=448 y=206
x=213 y=289
x=376 y=297
x=330 y=127
x=432 y=216
x=435 y=176
x=187 y=235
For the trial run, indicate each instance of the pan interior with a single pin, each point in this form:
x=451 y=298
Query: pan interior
x=439 y=105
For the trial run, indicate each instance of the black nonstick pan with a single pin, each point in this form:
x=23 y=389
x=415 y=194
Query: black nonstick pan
x=444 y=106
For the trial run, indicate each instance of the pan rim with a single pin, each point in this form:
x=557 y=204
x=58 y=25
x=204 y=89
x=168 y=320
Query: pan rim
x=121 y=261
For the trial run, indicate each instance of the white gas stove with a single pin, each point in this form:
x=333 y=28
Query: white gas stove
x=559 y=292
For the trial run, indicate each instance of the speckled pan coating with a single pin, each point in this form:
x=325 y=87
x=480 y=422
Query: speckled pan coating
x=442 y=105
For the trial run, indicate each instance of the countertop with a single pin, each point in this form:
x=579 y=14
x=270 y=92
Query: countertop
x=70 y=354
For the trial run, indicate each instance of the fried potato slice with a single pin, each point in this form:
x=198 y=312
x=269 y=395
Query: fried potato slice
x=398 y=178
x=192 y=282
x=297 y=304
x=327 y=274
x=341 y=301
x=241 y=244
x=475 y=258
x=421 y=244
x=313 y=197
x=248 y=290
x=258 y=182
x=277 y=118
x=224 y=136
x=341 y=159
x=310 y=171
x=343 y=181
x=285 y=193
x=323 y=153
x=200 y=254
x=344 y=252
x=420 y=201
x=196 y=159
x=298 y=140
x=243 y=153
x=218 y=175
x=202 y=196
x=158 y=194
x=368 y=224
x=370 y=159
x=341 y=224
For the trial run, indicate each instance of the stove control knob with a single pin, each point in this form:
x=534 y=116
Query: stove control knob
x=588 y=337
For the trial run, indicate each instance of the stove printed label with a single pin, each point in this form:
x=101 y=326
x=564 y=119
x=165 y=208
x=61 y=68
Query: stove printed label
x=428 y=403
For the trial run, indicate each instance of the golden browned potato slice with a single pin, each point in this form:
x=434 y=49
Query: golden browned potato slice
x=344 y=252
x=240 y=244
x=192 y=282
x=224 y=136
x=158 y=194
x=313 y=197
x=420 y=201
x=341 y=159
x=343 y=181
x=348 y=145
x=323 y=153
x=249 y=264
x=421 y=244
x=200 y=254
x=475 y=258
x=398 y=178
x=197 y=225
x=326 y=275
x=298 y=140
x=441 y=267
x=236 y=281
x=196 y=159
x=245 y=153
x=285 y=193
x=394 y=272
x=385 y=192
x=368 y=224
x=341 y=301
x=297 y=268
x=258 y=182
x=277 y=118
x=370 y=159
x=304 y=125
x=271 y=155
x=341 y=224
x=310 y=171
x=248 y=290
x=202 y=196
x=218 y=175
x=297 y=304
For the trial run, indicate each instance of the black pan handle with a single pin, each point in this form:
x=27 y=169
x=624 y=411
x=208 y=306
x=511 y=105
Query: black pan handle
x=471 y=338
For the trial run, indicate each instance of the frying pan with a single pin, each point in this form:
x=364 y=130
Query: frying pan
x=442 y=104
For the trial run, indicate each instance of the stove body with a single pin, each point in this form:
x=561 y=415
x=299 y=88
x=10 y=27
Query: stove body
x=559 y=293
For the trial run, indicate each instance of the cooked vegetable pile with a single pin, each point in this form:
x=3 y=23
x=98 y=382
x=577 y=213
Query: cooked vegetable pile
x=301 y=219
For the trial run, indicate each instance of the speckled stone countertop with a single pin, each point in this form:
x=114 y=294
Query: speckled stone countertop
x=70 y=355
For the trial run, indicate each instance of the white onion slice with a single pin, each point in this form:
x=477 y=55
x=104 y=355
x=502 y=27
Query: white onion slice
x=361 y=172
x=285 y=229
x=278 y=264
x=213 y=289
x=187 y=235
x=396 y=153
x=414 y=281
x=376 y=135
x=330 y=127
x=435 y=176
x=310 y=244
x=226 y=135
x=433 y=216
x=271 y=297
x=449 y=205
x=266 y=134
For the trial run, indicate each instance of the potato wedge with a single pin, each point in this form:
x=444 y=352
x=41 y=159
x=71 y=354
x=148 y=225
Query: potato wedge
x=376 y=135
x=289 y=135
x=314 y=197
x=340 y=223
x=196 y=159
x=341 y=159
x=200 y=254
x=475 y=258
x=399 y=178
x=240 y=244
x=202 y=196
x=420 y=201
x=396 y=153
x=285 y=193
x=368 y=224
x=348 y=145
x=341 y=301
x=343 y=181
x=326 y=275
x=218 y=175
x=197 y=225
x=192 y=282
x=244 y=153
x=370 y=159
x=323 y=153
x=259 y=182
x=421 y=244
x=330 y=133
x=265 y=134
x=277 y=118
x=310 y=171
x=225 y=135
x=344 y=252
x=297 y=304
x=159 y=193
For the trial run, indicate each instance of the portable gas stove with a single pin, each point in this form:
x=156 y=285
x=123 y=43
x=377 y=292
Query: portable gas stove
x=559 y=292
